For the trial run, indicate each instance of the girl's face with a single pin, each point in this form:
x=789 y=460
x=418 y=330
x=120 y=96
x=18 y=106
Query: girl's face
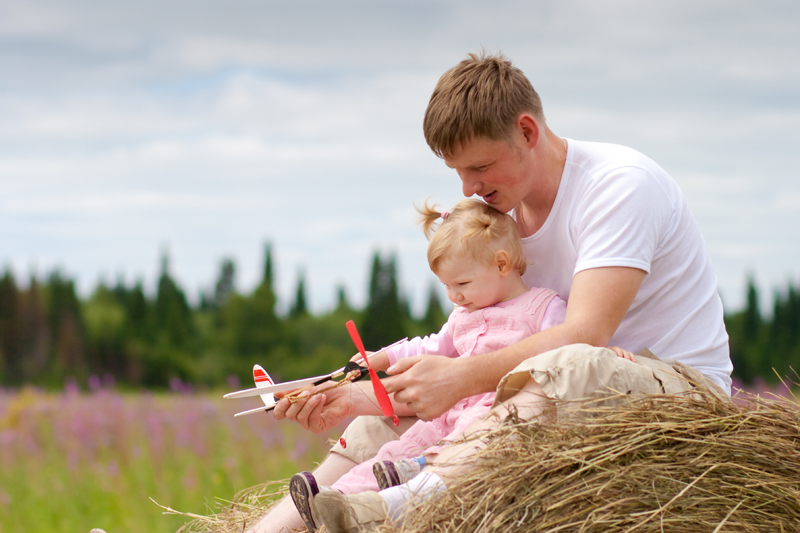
x=474 y=285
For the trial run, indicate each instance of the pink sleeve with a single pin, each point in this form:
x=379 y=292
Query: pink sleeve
x=434 y=344
x=555 y=313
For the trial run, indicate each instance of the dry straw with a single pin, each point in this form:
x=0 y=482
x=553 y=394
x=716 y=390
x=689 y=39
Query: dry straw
x=653 y=464
x=236 y=516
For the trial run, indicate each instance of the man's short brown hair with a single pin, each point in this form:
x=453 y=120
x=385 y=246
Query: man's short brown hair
x=480 y=97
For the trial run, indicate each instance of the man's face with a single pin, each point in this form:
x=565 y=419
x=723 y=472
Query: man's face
x=497 y=171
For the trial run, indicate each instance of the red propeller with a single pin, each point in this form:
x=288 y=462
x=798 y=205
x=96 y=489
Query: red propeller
x=380 y=392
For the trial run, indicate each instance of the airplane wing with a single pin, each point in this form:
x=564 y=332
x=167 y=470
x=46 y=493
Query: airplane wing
x=296 y=384
x=280 y=387
x=261 y=409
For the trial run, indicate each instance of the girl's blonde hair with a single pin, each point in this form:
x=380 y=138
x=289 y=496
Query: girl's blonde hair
x=472 y=229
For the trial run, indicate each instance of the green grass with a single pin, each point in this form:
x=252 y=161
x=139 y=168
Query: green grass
x=70 y=462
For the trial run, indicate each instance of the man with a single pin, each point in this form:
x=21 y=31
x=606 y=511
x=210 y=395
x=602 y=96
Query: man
x=602 y=225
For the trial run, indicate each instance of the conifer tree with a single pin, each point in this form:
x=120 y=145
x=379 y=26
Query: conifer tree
x=35 y=332
x=104 y=316
x=434 y=314
x=386 y=314
x=139 y=333
x=300 y=306
x=10 y=342
x=172 y=313
x=745 y=331
x=751 y=327
x=262 y=305
x=342 y=303
x=225 y=285
x=250 y=327
x=66 y=326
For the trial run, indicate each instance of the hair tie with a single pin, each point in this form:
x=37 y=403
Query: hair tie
x=444 y=215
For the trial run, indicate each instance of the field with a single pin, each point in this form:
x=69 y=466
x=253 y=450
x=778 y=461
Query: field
x=71 y=461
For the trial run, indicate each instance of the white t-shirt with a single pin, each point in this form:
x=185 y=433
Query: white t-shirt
x=616 y=207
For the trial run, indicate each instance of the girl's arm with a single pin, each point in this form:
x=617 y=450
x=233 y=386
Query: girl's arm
x=434 y=344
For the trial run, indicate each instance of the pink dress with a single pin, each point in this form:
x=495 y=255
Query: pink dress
x=465 y=334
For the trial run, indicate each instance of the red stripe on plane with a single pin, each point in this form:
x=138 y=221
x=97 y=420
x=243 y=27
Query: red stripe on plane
x=259 y=376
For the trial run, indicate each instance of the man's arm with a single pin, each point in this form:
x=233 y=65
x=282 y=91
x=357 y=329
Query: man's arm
x=599 y=299
x=326 y=410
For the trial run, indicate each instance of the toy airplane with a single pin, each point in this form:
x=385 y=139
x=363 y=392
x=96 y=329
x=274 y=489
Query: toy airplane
x=262 y=380
x=265 y=386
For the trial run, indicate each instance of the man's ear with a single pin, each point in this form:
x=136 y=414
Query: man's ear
x=502 y=262
x=529 y=128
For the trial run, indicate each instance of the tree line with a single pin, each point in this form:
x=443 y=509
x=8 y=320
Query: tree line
x=48 y=334
x=766 y=347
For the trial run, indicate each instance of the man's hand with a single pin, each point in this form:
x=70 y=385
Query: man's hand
x=429 y=385
x=317 y=413
x=625 y=354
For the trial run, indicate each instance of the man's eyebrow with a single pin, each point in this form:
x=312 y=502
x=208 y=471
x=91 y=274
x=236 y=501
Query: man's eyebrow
x=476 y=166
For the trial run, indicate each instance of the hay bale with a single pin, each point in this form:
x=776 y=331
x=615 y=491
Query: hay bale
x=654 y=464
x=240 y=514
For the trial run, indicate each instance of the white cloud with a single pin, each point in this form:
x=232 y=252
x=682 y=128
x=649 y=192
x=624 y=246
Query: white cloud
x=211 y=127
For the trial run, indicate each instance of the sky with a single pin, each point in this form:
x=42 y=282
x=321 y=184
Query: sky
x=206 y=129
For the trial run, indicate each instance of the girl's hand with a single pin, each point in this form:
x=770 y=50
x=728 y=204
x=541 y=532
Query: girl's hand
x=379 y=362
x=625 y=354
x=357 y=357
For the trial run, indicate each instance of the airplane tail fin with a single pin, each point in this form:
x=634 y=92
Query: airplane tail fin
x=262 y=379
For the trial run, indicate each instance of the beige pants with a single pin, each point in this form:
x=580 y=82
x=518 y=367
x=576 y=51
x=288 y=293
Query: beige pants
x=567 y=373
x=365 y=435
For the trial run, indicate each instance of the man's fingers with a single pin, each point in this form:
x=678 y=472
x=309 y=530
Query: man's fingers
x=403 y=364
x=621 y=352
x=393 y=384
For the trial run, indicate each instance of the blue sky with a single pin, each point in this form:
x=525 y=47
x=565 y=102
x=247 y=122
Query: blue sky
x=211 y=127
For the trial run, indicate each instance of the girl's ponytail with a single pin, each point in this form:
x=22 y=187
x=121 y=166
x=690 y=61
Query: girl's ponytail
x=428 y=217
x=481 y=225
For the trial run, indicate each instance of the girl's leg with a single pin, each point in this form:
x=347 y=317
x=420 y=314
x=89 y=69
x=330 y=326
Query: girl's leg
x=343 y=513
x=284 y=516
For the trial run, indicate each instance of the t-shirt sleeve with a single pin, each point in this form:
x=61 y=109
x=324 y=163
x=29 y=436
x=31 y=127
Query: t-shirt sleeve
x=435 y=344
x=555 y=314
x=622 y=220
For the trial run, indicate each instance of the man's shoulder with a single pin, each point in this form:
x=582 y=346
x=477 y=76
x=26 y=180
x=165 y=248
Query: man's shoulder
x=600 y=156
x=596 y=167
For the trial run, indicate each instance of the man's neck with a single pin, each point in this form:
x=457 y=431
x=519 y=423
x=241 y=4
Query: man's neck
x=549 y=159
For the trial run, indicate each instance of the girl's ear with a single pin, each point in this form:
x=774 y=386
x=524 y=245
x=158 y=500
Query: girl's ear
x=502 y=262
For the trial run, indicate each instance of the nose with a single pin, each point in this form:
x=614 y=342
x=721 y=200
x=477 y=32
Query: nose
x=454 y=295
x=469 y=186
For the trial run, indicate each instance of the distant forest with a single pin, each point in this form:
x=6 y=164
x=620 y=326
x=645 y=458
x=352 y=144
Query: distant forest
x=122 y=335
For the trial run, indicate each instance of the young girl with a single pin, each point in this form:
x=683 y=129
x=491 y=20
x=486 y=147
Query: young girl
x=476 y=252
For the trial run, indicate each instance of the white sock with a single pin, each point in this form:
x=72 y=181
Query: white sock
x=425 y=484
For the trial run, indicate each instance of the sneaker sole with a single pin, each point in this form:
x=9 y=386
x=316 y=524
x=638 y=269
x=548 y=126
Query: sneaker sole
x=386 y=475
x=303 y=488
